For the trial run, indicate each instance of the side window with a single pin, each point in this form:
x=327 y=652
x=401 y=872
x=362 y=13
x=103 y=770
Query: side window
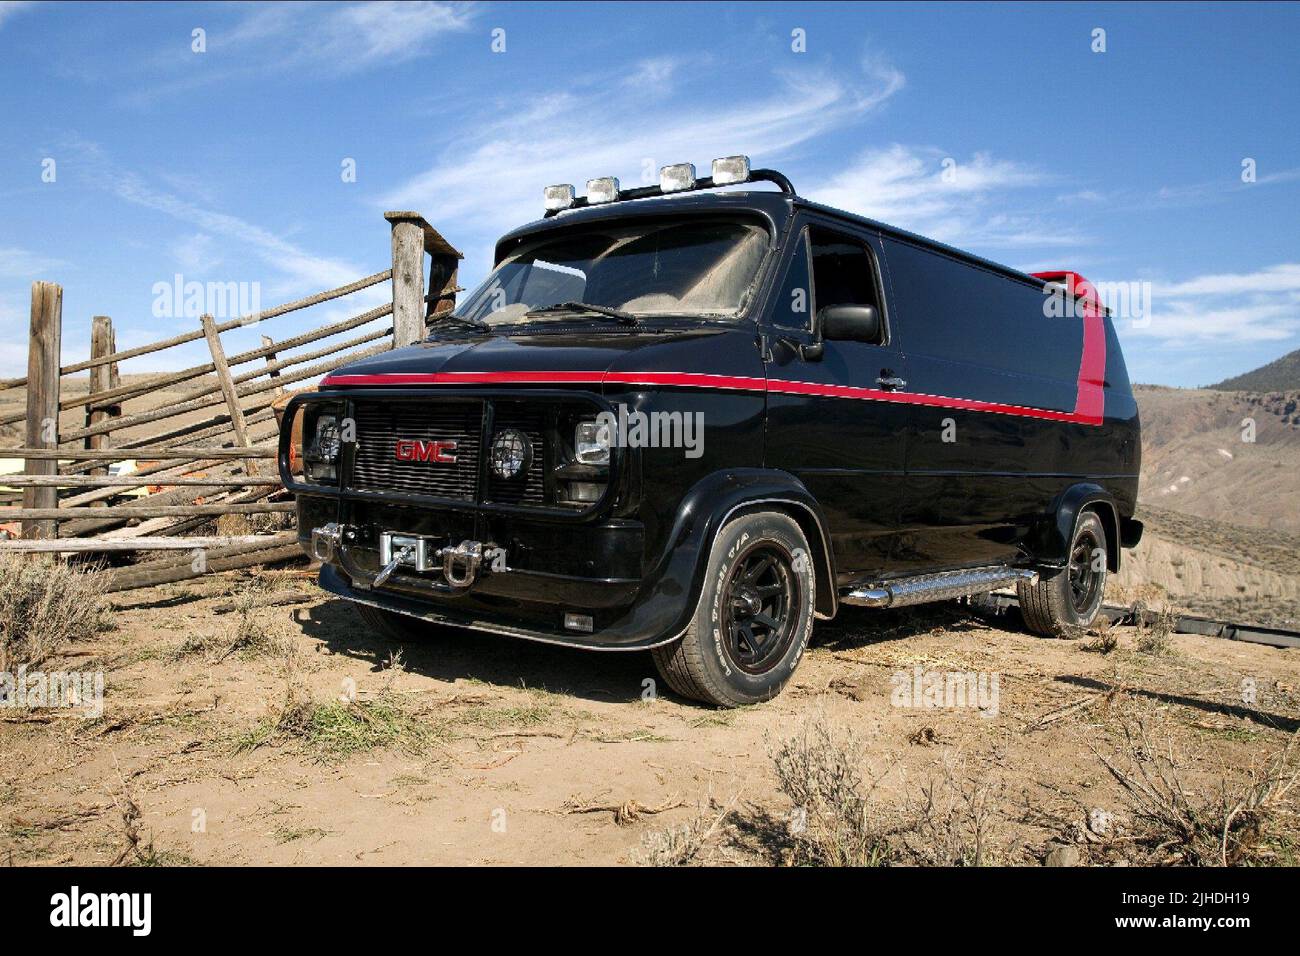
x=842 y=270
x=794 y=305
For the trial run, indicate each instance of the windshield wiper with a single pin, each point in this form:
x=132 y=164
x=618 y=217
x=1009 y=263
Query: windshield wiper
x=627 y=318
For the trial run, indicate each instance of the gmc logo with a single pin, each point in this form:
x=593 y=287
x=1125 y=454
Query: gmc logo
x=412 y=449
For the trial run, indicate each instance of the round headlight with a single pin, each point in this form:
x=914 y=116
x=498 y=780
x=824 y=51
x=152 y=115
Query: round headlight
x=511 y=453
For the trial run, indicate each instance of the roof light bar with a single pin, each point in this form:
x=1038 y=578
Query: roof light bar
x=676 y=178
x=602 y=190
x=558 y=197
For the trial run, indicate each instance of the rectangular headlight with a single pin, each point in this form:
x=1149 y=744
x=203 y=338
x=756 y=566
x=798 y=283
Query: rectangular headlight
x=591 y=443
x=558 y=197
x=602 y=190
x=730 y=169
x=673 y=179
x=322 y=455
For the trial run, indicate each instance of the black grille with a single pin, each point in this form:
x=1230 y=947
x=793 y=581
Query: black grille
x=380 y=425
x=530 y=487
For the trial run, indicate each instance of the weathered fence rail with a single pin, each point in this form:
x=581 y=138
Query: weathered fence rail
x=178 y=467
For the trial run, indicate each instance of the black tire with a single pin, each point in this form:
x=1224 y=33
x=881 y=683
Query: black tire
x=1064 y=602
x=394 y=626
x=760 y=573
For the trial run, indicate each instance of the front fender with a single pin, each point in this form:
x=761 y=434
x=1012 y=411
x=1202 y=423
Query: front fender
x=708 y=505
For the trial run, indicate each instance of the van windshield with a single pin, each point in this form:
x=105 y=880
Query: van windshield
x=696 y=267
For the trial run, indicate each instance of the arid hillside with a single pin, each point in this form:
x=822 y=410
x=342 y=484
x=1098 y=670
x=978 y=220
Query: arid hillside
x=1228 y=456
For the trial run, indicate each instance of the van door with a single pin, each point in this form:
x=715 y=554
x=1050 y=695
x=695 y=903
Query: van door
x=823 y=425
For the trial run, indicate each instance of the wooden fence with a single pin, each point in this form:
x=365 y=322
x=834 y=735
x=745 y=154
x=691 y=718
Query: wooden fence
x=71 y=504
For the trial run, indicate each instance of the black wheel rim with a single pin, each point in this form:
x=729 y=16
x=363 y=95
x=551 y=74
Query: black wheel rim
x=759 y=608
x=1085 y=582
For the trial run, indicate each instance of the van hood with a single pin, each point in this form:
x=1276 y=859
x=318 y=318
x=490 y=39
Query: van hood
x=521 y=358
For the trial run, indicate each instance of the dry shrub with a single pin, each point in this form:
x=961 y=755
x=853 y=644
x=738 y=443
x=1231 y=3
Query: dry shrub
x=818 y=769
x=1155 y=636
x=44 y=605
x=1105 y=639
x=685 y=844
x=956 y=818
x=1225 y=827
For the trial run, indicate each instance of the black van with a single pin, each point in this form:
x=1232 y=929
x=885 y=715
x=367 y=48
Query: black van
x=692 y=421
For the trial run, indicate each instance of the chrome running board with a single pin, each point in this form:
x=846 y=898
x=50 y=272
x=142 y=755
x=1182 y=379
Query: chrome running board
x=935 y=587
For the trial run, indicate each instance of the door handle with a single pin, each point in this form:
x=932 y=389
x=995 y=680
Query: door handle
x=890 y=382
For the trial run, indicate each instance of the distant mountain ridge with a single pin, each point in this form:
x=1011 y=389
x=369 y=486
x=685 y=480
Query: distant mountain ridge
x=1281 y=375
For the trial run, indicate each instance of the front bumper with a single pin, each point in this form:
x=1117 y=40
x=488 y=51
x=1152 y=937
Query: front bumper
x=533 y=574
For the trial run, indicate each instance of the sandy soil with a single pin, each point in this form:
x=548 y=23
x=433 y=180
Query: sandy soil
x=517 y=753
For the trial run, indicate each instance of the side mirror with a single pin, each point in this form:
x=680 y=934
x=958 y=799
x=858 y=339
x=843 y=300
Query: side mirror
x=854 y=323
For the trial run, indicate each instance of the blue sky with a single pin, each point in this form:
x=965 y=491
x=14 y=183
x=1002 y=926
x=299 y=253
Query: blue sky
x=225 y=165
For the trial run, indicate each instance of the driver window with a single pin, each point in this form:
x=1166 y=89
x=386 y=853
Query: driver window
x=842 y=272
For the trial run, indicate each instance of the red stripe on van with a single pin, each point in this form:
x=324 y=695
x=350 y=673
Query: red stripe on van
x=722 y=382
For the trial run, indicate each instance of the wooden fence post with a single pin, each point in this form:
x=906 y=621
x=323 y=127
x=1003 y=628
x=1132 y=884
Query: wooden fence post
x=408 y=277
x=227 y=386
x=101 y=380
x=43 y=400
x=274 y=372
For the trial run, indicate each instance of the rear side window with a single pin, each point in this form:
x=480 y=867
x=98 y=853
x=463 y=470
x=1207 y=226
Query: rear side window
x=963 y=313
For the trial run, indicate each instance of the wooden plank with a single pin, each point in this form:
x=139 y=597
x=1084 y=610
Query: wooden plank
x=408 y=277
x=125 y=512
x=227 y=384
x=75 y=545
x=43 y=400
x=125 y=481
x=101 y=343
x=142 y=451
x=145 y=577
x=226 y=326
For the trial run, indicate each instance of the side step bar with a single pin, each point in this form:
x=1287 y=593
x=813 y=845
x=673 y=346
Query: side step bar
x=935 y=587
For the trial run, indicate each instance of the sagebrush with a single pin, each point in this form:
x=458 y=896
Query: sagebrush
x=45 y=605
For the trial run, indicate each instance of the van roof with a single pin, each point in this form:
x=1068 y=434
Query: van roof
x=777 y=207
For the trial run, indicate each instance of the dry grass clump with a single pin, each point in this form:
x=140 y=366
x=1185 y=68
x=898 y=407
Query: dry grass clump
x=830 y=825
x=1105 y=637
x=44 y=605
x=336 y=729
x=1226 y=826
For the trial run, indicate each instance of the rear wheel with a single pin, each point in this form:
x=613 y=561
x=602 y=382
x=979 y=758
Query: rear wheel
x=754 y=616
x=394 y=626
x=1064 y=602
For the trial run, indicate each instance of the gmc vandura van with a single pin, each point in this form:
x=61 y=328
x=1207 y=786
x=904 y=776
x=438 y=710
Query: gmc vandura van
x=693 y=421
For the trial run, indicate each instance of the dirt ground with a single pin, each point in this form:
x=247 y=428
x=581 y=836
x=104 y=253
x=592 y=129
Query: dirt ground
x=487 y=750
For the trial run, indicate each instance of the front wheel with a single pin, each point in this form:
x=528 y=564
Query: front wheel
x=1064 y=602
x=754 y=616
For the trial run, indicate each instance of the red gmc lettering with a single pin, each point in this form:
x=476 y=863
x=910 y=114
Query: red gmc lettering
x=410 y=449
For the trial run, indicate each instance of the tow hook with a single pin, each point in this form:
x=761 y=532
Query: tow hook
x=325 y=541
x=460 y=565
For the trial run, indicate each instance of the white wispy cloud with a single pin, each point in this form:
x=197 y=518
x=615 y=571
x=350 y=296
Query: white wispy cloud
x=491 y=180
x=307 y=39
x=17 y=263
x=961 y=201
x=1222 y=309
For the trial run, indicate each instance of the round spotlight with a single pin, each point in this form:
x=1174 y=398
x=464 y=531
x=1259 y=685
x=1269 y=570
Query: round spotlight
x=511 y=453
